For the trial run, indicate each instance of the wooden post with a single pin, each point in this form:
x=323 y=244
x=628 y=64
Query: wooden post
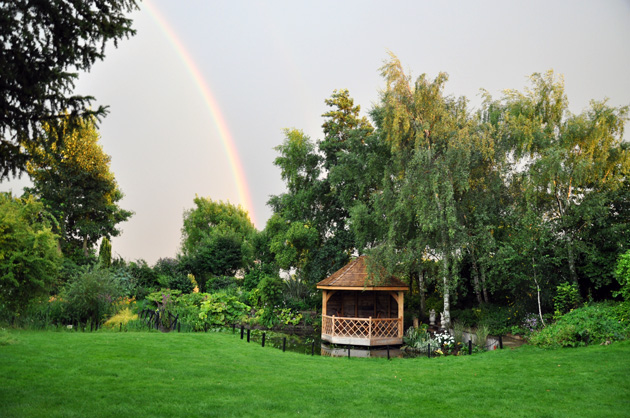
x=470 y=346
x=401 y=313
x=242 y=330
x=324 y=302
x=284 y=344
x=248 y=334
x=370 y=328
x=263 y=339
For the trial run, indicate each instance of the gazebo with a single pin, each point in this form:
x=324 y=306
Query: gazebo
x=356 y=311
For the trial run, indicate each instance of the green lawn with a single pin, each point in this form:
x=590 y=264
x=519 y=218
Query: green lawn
x=140 y=374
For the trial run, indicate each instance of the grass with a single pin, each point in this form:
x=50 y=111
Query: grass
x=54 y=374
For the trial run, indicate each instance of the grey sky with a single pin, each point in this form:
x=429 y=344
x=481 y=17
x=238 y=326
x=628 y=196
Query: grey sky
x=272 y=64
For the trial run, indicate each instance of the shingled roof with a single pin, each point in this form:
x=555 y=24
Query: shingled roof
x=354 y=276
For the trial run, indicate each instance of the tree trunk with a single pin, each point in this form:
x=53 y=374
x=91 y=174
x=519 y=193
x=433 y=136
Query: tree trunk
x=447 y=306
x=85 y=248
x=538 y=291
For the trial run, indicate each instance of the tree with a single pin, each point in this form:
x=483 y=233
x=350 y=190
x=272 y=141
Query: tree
x=105 y=253
x=431 y=137
x=569 y=158
x=44 y=46
x=217 y=239
x=29 y=258
x=74 y=181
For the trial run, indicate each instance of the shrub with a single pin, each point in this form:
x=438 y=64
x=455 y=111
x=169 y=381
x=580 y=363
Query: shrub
x=218 y=283
x=622 y=274
x=122 y=317
x=91 y=295
x=591 y=324
x=482 y=335
x=566 y=299
x=418 y=338
x=220 y=309
x=181 y=282
x=29 y=259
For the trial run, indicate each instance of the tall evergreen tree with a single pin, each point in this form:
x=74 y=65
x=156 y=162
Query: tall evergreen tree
x=44 y=45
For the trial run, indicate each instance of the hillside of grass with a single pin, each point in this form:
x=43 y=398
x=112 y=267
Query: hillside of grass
x=74 y=374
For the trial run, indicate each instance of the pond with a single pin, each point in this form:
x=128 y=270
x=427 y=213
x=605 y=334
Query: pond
x=312 y=344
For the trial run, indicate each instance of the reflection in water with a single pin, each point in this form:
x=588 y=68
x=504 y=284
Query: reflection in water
x=339 y=351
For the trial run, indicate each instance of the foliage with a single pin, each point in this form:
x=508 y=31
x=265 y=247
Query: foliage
x=220 y=309
x=591 y=324
x=121 y=317
x=105 y=253
x=74 y=181
x=45 y=46
x=164 y=304
x=182 y=282
x=218 y=283
x=482 y=332
x=567 y=298
x=458 y=332
x=171 y=275
x=29 y=258
x=268 y=297
x=287 y=316
x=217 y=239
x=419 y=337
x=622 y=274
x=91 y=295
x=144 y=277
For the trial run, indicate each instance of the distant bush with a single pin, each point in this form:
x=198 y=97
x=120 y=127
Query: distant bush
x=591 y=324
x=91 y=295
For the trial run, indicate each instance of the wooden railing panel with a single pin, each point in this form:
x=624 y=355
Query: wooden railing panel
x=362 y=327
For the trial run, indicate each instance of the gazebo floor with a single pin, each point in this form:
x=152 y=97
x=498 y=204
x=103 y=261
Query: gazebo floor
x=361 y=341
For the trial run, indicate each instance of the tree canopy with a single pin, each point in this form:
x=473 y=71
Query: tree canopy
x=217 y=239
x=45 y=44
x=509 y=200
x=74 y=181
x=29 y=257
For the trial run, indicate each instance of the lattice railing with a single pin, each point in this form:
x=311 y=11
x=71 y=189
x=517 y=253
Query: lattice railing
x=361 y=327
x=386 y=328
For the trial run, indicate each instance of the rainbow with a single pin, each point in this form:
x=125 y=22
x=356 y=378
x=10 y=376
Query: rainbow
x=213 y=107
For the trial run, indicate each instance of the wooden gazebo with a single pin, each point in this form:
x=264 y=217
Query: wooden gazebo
x=355 y=311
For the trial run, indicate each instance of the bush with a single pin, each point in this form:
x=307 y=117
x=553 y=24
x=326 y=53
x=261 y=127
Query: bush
x=220 y=309
x=181 y=282
x=218 y=283
x=91 y=295
x=591 y=324
x=622 y=274
x=29 y=259
x=566 y=299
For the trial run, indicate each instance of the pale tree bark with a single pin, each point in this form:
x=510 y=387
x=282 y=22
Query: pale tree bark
x=538 y=291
